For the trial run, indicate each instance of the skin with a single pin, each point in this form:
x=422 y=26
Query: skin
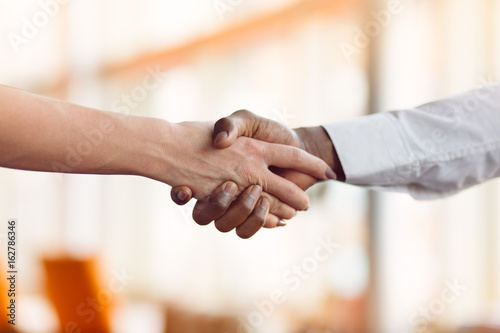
x=42 y=134
x=221 y=207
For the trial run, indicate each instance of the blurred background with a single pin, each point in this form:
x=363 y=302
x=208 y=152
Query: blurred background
x=114 y=254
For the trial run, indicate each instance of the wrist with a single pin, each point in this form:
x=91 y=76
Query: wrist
x=316 y=141
x=151 y=143
x=177 y=154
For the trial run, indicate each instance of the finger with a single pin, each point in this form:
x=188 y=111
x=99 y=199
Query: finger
x=286 y=191
x=278 y=208
x=256 y=221
x=225 y=133
x=300 y=179
x=181 y=194
x=271 y=221
x=294 y=158
x=240 y=210
x=212 y=207
x=228 y=129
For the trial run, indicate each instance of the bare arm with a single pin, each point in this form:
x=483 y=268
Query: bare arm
x=42 y=134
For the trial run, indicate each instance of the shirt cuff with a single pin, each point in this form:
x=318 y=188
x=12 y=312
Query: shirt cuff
x=371 y=151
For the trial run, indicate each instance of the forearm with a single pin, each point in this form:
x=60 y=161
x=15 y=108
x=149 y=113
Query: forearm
x=431 y=151
x=42 y=134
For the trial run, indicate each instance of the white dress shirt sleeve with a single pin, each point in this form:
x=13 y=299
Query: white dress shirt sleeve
x=432 y=151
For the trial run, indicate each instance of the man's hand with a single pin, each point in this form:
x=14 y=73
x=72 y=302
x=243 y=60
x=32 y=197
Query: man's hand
x=314 y=140
x=247 y=214
x=246 y=162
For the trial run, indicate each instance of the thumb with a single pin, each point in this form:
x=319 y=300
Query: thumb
x=228 y=129
x=181 y=194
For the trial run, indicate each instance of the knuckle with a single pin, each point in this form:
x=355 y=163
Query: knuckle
x=245 y=171
x=271 y=221
x=288 y=214
x=260 y=217
x=291 y=195
x=217 y=204
x=250 y=173
x=202 y=212
x=274 y=204
x=259 y=149
x=200 y=218
x=246 y=204
x=243 y=113
x=222 y=124
x=244 y=234
x=222 y=226
x=297 y=156
x=282 y=210
x=254 y=147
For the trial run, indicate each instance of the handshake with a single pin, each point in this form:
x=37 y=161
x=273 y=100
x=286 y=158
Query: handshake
x=248 y=172
x=265 y=168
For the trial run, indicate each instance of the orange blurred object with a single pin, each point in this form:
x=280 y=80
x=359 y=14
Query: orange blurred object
x=183 y=321
x=335 y=314
x=480 y=329
x=73 y=288
x=4 y=303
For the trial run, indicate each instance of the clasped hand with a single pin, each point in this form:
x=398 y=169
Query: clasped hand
x=248 y=172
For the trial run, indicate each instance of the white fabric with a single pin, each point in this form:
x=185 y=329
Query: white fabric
x=432 y=151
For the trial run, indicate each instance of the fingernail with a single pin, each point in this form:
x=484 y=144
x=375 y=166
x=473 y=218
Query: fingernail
x=264 y=203
x=255 y=192
x=230 y=189
x=220 y=137
x=281 y=223
x=182 y=195
x=330 y=174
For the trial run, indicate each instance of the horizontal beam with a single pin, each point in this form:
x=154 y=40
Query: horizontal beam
x=235 y=36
